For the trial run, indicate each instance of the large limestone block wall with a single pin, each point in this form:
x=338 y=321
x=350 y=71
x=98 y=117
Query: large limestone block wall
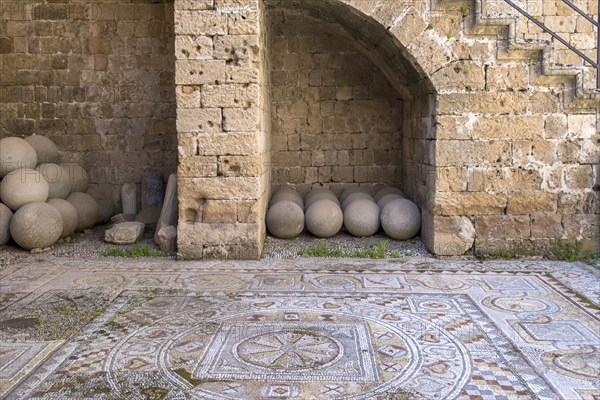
x=337 y=121
x=223 y=123
x=96 y=77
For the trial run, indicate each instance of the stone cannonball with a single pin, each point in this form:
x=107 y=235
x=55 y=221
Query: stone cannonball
x=316 y=191
x=46 y=150
x=361 y=218
x=324 y=218
x=287 y=194
x=87 y=210
x=77 y=176
x=387 y=198
x=16 y=153
x=5 y=217
x=58 y=180
x=285 y=219
x=355 y=189
x=401 y=219
x=320 y=196
x=68 y=214
x=105 y=202
x=23 y=186
x=36 y=225
x=355 y=196
x=385 y=191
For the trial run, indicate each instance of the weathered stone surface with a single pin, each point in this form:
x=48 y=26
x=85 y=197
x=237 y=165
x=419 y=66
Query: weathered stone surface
x=324 y=218
x=362 y=218
x=87 y=210
x=153 y=189
x=105 y=204
x=496 y=227
x=59 y=184
x=355 y=196
x=16 y=153
x=170 y=208
x=36 y=225
x=124 y=233
x=401 y=219
x=5 y=216
x=78 y=177
x=470 y=203
x=46 y=150
x=129 y=199
x=23 y=186
x=532 y=201
x=447 y=236
x=285 y=219
x=68 y=214
x=167 y=238
x=288 y=194
x=314 y=197
x=148 y=215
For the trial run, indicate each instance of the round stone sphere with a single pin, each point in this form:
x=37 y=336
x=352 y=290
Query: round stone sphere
x=77 y=176
x=361 y=218
x=36 y=225
x=5 y=217
x=23 y=186
x=46 y=150
x=16 y=153
x=324 y=218
x=287 y=194
x=316 y=191
x=385 y=191
x=87 y=210
x=355 y=196
x=58 y=180
x=387 y=198
x=68 y=214
x=285 y=219
x=401 y=219
x=354 y=189
x=105 y=202
x=320 y=196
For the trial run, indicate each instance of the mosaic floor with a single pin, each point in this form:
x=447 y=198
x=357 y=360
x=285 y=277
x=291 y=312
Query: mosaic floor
x=305 y=329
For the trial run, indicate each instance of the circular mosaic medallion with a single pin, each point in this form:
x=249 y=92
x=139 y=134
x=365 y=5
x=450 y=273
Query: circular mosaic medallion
x=286 y=347
x=289 y=350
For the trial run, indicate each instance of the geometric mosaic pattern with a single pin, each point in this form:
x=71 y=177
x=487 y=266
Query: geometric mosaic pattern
x=300 y=329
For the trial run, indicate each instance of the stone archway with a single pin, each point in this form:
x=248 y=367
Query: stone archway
x=224 y=114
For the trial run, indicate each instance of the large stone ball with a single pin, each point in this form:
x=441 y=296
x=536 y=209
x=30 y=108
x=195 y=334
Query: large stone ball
x=355 y=196
x=16 y=153
x=87 y=210
x=324 y=218
x=355 y=189
x=105 y=202
x=385 y=191
x=36 y=225
x=58 y=180
x=23 y=186
x=316 y=191
x=321 y=195
x=287 y=194
x=387 y=198
x=361 y=218
x=5 y=217
x=68 y=214
x=285 y=219
x=401 y=219
x=77 y=176
x=46 y=150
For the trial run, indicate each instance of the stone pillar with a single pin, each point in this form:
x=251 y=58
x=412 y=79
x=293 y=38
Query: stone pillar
x=219 y=48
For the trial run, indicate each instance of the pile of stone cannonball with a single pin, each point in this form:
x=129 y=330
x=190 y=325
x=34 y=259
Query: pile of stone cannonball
x=357 y=210
x=42 y=200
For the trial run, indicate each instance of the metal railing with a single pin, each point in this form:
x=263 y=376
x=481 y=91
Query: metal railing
x=595 y=64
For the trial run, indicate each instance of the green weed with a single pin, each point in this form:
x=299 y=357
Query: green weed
x=135 y=251
x=562 y=250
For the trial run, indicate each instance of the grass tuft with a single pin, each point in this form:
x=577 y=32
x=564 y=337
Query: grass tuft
x=135 y=251
x=378 y=251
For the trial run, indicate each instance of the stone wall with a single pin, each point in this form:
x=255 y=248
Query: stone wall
x=96 y=77
x=337 y=121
